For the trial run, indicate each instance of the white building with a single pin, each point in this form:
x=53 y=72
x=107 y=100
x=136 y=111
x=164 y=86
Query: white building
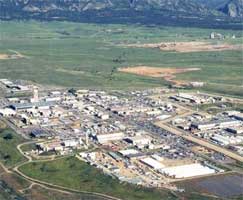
x=6 y=112
x=185 y=171
x=139 y=140
x=128 y=152
x=152 y=163
x=105 y=138
x=35 y=95
x=103 y=116
x=70 y=143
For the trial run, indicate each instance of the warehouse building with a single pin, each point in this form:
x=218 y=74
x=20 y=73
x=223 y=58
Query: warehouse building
x=128 y=152
x=6 y=112
x=139 y=140
x=235 y=130
x=105 y=138
x=226 y=140
x=152 y=163
x=25 y=106
x=239 y=116
x=39 y=133
x=186 y=171
x=215 y=124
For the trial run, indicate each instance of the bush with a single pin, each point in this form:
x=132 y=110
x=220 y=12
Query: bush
x=8 y=136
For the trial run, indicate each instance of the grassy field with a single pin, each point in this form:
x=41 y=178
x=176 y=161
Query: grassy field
x=88 y=55
x=72 y=173
x=28 y=147
x=39 y=193
x=11 y=184
x=9 y=155
x=220 y=107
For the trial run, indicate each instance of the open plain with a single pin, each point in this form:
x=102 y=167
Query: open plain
x=90 y=55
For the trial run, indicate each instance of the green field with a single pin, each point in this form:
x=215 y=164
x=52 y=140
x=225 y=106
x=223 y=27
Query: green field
x=88 y=55
x=72 y=173
x=9 y=155
x=38 y=192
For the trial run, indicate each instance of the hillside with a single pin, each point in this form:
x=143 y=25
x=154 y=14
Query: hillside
x=166 y=12
x=62 y=8
x=31 y=6
x=213 y=4
x=234 y=8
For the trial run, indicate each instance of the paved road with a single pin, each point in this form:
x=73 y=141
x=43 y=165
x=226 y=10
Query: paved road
x=46 y=185
x=199 y=141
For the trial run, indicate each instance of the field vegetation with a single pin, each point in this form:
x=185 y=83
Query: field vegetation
x=72 y=173
x=9 y=155
x=89 y=55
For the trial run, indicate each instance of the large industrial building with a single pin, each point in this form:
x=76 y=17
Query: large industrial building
x=215 y=124
x=152 y=163
x=104 y=138
x=186 y=171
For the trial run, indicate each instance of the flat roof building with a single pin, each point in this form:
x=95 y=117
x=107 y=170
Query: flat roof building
x=235 y=130
x=152 y=163
x=239 y=116
x=190 y=170
x=215 y=124
x=24 y=106
x=105 y=138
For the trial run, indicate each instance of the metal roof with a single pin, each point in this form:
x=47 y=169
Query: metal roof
x=31 y=105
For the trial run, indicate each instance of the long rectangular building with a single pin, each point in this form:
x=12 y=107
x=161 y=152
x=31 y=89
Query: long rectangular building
x=24 y=106
x=215 y=124
x=105 y=138
x=190 y=170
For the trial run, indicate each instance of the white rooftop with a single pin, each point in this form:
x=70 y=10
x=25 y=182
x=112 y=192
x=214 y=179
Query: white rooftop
x=152 y=163
x=128 y=152
x=190 y=170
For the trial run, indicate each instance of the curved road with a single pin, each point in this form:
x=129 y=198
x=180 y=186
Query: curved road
x=50 y=185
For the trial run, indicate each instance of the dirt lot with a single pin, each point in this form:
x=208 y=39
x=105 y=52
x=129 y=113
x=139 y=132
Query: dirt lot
x=186 y=47
x=16 y=55
x=2 y=125
x=4 y=56
x=169 y=74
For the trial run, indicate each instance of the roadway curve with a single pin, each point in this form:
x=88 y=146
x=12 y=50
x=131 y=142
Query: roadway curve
x=50 y=185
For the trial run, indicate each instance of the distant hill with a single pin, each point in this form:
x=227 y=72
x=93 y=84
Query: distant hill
x=108 y=10
x=234 y=8
x=213 y=4
x=44 y=6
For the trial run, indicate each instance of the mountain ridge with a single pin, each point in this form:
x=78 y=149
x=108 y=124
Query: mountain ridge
x=234 y=8
x=79 y=10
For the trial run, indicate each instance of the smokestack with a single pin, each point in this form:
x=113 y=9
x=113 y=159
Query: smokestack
x=35 y=97
x=87 y=140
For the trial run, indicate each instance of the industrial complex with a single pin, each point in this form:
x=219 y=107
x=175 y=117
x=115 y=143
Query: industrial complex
x=152 y=138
